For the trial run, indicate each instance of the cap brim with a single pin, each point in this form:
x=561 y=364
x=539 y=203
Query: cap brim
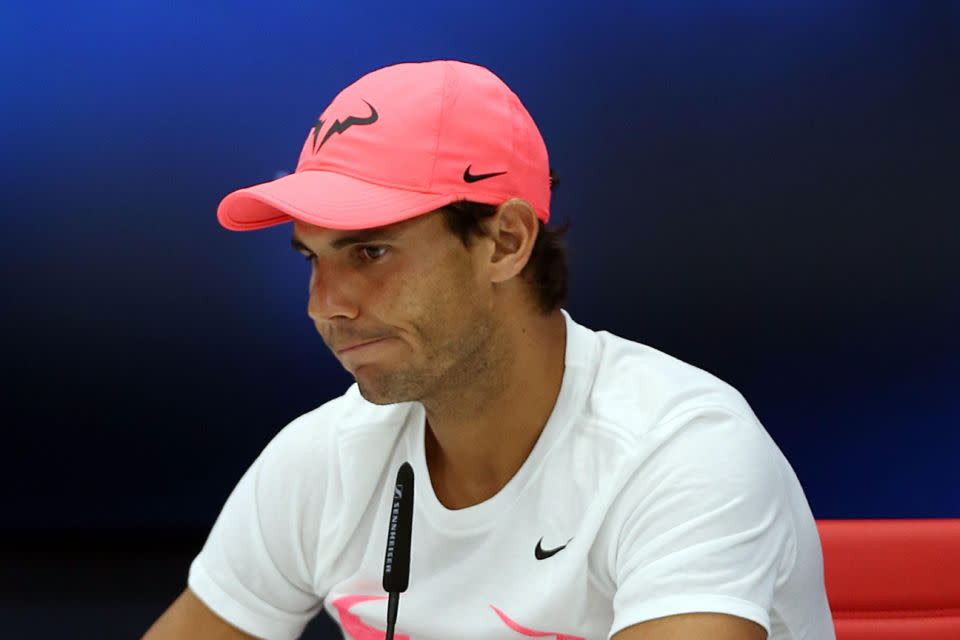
x=324 y=199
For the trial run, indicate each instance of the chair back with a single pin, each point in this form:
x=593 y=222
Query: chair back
x=893 y=579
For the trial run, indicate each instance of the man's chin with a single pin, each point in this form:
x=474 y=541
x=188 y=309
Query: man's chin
x=380 y=393
x=377 y=398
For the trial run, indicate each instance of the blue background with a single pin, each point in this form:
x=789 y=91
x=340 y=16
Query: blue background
x=767 y=191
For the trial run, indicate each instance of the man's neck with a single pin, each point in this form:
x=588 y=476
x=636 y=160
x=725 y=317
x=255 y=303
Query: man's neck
x=478 y=438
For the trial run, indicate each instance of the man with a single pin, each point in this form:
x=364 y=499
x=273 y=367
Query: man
x=570 y=483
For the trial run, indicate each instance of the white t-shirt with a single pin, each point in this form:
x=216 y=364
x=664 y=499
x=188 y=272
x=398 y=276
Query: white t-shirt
x=668 y=493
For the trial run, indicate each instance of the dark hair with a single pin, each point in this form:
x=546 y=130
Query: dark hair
x=545 y=271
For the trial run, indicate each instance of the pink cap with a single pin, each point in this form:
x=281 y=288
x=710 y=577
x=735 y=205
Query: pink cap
x=402 y=141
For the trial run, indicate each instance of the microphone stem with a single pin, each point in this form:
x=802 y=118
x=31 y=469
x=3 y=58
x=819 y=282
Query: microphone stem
x=393 y=603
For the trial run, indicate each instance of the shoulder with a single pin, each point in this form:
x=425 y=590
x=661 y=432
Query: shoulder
x=649 y=419
x=337 y=420
x=635 y=389
x=312 y=447
x=640 y=411
x=308 y=472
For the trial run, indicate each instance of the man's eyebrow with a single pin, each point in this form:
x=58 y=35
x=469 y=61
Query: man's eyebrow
x=356 y=237
x=298 y=245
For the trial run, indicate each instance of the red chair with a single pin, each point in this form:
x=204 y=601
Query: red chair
x=893 y=579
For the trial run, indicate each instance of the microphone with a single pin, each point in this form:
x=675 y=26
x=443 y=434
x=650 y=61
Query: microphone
x=396 y=564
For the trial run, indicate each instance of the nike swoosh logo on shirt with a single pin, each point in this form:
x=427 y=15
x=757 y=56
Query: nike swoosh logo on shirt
x=543 y=554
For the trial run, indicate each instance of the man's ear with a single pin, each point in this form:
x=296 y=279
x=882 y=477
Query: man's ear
x=514 y=230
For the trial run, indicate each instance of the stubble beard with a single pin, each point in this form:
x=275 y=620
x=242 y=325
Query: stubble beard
x=450 y=363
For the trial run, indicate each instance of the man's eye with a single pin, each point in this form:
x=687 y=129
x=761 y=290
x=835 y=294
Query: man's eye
x=309 y=257
x=372 y=252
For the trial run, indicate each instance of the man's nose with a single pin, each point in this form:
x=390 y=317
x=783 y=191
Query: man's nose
x=332 y=293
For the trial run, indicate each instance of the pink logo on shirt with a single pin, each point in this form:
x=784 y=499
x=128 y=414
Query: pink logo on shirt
x=357 y=629
x=353 y=626
x=531 y=633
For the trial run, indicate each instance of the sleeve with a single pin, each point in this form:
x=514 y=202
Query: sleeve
x=256 y=568
x=706 y=524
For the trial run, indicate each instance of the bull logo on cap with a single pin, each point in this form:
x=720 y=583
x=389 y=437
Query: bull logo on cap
x=339 y=127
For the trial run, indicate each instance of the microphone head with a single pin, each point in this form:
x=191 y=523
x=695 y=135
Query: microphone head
x=396 y=564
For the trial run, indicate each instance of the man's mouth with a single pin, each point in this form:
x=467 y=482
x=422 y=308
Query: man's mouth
x=358 y=345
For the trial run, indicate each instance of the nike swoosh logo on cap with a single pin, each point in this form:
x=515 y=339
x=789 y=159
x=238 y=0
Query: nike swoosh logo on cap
x=468 y=177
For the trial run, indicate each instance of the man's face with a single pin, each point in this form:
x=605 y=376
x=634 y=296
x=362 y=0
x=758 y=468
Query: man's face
x=404 y=308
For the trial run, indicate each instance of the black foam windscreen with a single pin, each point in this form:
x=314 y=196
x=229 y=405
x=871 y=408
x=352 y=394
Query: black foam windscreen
x=396 y=564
